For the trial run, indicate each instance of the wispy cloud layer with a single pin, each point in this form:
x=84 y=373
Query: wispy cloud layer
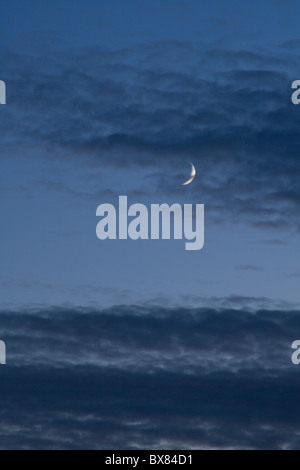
x=149 y=377
x=149 y=110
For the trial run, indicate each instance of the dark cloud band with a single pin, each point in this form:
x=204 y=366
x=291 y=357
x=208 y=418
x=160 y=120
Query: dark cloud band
x=138 y=377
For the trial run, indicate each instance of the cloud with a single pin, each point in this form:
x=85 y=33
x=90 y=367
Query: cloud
x=149 y=111
x=249 y=267
x=85 y=290
x=149 y=377
x=294 y=275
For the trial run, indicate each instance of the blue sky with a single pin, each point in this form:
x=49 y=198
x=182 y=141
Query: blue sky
x=151 y=85
x=118 y=24
x=106 y=98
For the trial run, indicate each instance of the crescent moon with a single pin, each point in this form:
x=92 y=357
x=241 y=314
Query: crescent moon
x=193 y=174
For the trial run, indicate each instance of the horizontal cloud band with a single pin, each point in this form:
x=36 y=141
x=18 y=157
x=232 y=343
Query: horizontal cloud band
x=136 y=377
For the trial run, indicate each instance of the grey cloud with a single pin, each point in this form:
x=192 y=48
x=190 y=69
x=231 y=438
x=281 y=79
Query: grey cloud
x=86 y=290
x=149 y=377
x=292 y=44
x=229 y=112
x=274 y=241
x=295 y=275
x=249 y=267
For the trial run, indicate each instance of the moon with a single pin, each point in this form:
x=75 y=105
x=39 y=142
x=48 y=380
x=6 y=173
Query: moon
x=193 y=174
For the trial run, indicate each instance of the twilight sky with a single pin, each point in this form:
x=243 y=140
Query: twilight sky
x=109 y=98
